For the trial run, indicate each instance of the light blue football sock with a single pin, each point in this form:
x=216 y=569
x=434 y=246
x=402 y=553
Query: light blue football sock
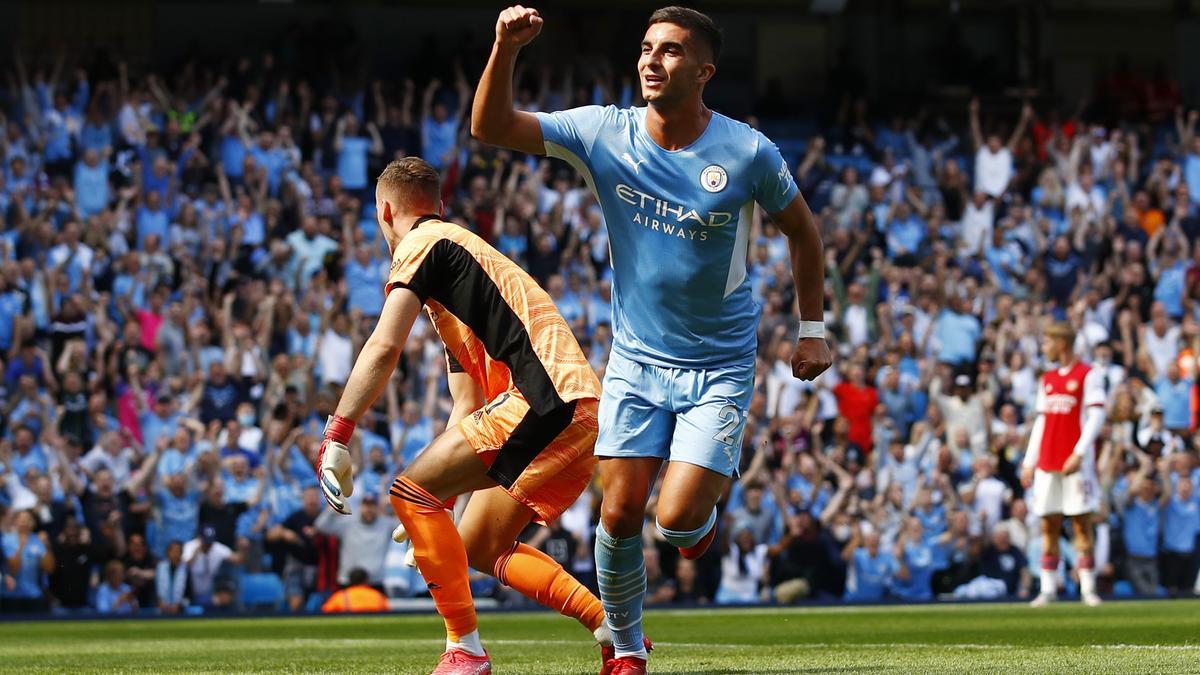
x=621 y=574
x=680 y=539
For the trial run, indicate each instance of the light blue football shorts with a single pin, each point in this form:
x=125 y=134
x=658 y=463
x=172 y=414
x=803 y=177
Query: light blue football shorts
x=687 y=415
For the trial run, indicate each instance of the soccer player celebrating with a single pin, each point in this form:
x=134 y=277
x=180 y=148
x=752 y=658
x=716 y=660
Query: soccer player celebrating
x=522 y=430
x=1060 y=464
x=677 y=184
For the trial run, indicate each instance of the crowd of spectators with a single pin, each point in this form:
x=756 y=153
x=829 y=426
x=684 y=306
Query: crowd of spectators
x=189 y=264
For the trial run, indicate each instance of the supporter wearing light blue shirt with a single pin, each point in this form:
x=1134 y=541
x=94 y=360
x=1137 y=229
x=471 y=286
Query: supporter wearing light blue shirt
x=1004 y=261
x=22 y=463
x=178 y=512
x=91 y=184
x=126 y=285
x=12 y=236
x=377 y=471
x=1175 y=395
x=439 y=134
x=160 y=422
x=152 y=219
x=900 y=465
x=302 y=342
x=1181 y=521
x=274 y=160
x=899 y=405
x=29 y=412
x=282 y=498
x=905 y=236
x=112 y=600
x=12 y=304
x=880 y=211
x=871 y=571
x=352 y=162
x=156 y=170
x=96 y=136
x=568 y=303
x=1141 y=523
x=243 y=489
x=599 y=306
x=299 y=468
x=513 y=244
x=254 y=229
x=411 y=434
x=371 y=442
x=233 y=156
x=352 y=150
x=917 y=558
x=28 y=578
x=57 y=135
x=957 y=333
x=1191 y=173
x=933 y=519
x=309 y=248
x=172 y=461
x=1170 y=288
x=364 y=281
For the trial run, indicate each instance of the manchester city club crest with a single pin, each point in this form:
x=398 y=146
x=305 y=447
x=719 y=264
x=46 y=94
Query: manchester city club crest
x=713 y=178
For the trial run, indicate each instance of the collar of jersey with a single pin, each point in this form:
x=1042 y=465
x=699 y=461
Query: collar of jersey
x=424 y=219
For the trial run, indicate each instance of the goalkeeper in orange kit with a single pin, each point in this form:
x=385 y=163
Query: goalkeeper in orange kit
x=524 y=424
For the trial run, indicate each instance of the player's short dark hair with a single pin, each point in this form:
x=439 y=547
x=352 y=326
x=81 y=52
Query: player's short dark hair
x=357 y=577
x=412 y=176
x=697 y=23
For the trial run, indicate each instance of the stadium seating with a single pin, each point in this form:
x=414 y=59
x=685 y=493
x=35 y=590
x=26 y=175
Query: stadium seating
x=261 y=591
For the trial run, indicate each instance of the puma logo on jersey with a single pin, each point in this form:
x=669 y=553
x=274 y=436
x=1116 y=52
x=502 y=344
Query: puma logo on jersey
x=629 y=159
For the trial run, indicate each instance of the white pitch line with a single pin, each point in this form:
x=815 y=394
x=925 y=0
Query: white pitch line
x=1152 y=648
x=803 y=645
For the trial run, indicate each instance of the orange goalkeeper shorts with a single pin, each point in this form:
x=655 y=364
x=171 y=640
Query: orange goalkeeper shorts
x=544 y=461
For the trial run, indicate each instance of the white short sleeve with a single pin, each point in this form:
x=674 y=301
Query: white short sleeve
x=1093 y=389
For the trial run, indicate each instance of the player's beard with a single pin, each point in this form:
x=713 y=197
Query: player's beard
x=666 y=99
x=654 y=97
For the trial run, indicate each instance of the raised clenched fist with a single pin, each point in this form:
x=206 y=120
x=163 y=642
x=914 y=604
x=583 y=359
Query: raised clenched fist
x=811 y=358
x=518 y=25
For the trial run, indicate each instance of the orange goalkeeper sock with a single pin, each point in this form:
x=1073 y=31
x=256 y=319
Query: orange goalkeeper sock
x=538 y=577
x=440 y=555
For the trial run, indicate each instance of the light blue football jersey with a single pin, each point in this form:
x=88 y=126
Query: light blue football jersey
x=678 y=228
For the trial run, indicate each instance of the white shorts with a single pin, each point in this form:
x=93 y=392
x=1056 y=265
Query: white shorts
x=1071 y=495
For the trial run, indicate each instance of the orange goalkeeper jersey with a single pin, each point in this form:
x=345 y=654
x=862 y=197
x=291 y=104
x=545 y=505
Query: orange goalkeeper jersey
x=498 y=325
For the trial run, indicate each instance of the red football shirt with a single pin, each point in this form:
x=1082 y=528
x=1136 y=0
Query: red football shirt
x=857 y=405
x=1063 y=397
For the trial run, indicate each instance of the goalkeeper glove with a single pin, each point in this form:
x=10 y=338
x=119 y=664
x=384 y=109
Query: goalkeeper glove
x=400 y=535
x=334 y=470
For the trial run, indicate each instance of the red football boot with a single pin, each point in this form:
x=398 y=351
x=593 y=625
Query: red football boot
x=608 y=656
x=459 y=662
x=626 y=665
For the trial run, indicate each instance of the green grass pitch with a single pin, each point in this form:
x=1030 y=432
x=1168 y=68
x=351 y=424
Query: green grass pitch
x=1141 y=637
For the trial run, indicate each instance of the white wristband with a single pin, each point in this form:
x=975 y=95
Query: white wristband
x=812 y=329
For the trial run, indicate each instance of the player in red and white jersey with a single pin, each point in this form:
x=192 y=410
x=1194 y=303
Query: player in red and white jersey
x=1060 y=463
